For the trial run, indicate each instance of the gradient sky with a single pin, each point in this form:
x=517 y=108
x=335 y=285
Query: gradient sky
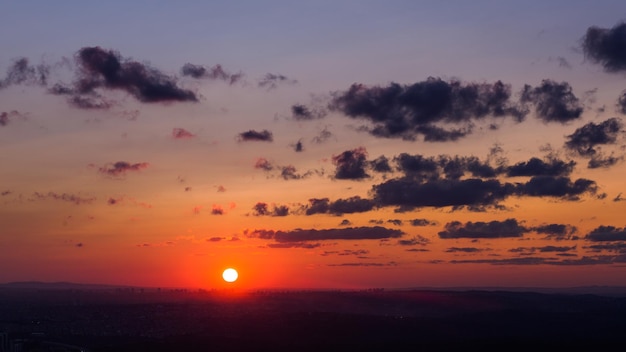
x=346 y=144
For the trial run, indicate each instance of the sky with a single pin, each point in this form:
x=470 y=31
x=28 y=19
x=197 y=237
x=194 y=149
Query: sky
x=328 y=144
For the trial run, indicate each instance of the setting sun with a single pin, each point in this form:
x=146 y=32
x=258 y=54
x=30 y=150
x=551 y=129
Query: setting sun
x=230 y=275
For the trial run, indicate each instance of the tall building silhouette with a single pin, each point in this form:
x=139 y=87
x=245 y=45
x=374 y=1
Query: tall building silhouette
x=4 y=342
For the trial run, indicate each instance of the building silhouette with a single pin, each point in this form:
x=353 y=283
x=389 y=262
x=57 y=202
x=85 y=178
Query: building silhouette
x=4 y=342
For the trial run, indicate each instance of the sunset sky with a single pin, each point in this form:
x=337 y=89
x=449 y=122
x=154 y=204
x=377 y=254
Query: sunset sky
x=327 y=144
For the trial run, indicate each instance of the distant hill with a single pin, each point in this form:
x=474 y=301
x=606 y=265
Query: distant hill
x=615 y=291
x=38 y=285
x=576 y=290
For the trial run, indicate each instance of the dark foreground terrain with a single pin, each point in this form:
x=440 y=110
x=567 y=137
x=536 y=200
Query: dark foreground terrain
x=124 y=319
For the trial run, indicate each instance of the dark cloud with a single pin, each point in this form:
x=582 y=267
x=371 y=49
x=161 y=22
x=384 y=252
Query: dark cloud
x=198 y=71
x=548 y=249
x=271 y=81
x=6 y=117
x=345 y=222
x=455 y=167
x=289 y=172
x=621 y=103
x=414 y=241
x=464 y=250
x=479 y=229
x=366 y=264
x=350 y=205
x=606 y=46
x=544 y=249
x=407 y=193
x=130 y=200
x=217 y=210
x=298 y=147
x=418 y=166
x=600 y=161
x=317 y=206
x=537 y=167
x=303 y=112
x=406 y=111
x=436 y=134
x=417 y=250
x=563 y=62
x=350 y=233
x=121 y=167
x=351 y=164
x=410 y=192
x=263 y=164
x=422 y=168
x=562 y=187
x=585 y=139
x=66 y=197
x=396 y=222
x=607 y=233
x=100 y=68
x=304 y=245
x=422 y=222
x=215 y=239
x=89 y=102
x=553 y=101
x=181 y=133
x=544 y=261
x=322 y=137
x=216 y=73
x=556 y=231
x=262 y=209
x=60 y=89
x=354 y=252
x=22 y=72
x=260 y=233
x=619 y=247
x=380 y=164
x=252 y=135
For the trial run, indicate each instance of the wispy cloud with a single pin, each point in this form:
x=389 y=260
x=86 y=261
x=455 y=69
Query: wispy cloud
x=66 y=197
x=120 y=168
x=181 y=133
x=303 y=235
x=273 y=80
x=216 y=72
x=252 y=135
x=22 y=72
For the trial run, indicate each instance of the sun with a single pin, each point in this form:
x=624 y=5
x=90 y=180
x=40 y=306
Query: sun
x=230 y=275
